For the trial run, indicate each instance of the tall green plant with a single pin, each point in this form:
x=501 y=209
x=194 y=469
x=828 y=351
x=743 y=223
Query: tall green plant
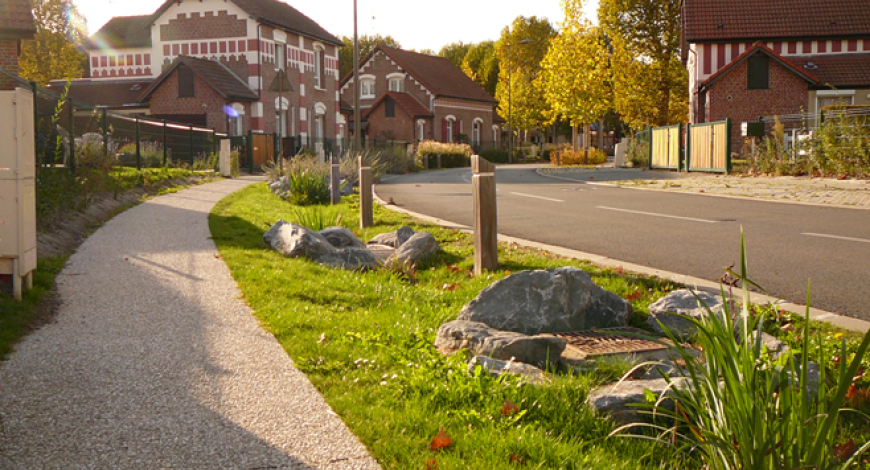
x=738 y=408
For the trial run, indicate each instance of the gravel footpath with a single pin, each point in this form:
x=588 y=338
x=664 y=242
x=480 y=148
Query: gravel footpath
x=153 y=362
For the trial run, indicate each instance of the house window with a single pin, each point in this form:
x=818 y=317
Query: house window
x=397 y=85
x=758 y=72
x=495 y=132
x=280 y=56
x=319 y=74
x=389 y=108
x=475 y=133
x=421 y=127
x=235 y=118
x=367 y=89
x=450 y=126
x=185 y=83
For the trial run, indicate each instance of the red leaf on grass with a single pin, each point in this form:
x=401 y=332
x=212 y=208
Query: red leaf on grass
x=431 y=464
x=845 y=450
x=449 y=286
x=517 y=460
x=508 y=408
x=634 y=295
x=440 y=441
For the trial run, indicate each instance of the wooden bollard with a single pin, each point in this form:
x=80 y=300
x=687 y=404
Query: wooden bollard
x=335 y=183
x=366 y=217
x=225 y=159
x=485 y=215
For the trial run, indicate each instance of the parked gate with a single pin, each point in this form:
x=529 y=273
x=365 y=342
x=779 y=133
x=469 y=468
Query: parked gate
x=709 y=146
x=666 y=148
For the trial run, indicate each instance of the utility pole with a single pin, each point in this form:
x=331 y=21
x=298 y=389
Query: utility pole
x=357 y=126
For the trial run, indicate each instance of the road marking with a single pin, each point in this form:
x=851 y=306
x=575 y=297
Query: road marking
x=654 y=214
x=538 y=197
x=850 y=239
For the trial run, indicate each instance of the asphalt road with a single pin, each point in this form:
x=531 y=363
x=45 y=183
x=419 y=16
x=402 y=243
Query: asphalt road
x=787 y=244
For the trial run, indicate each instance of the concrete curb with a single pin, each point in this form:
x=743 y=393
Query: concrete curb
x=847 y=323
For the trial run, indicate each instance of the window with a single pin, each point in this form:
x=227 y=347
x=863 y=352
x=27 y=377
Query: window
x=319 y=69
x=397 y=85
x=450 y=124
x=826 y=101
x=758 y=72
x=185 y=83
x=475 y=132
x=421 y=127
x=389 y=108
x=280 y=56
x=496 y=130
x=367 y=89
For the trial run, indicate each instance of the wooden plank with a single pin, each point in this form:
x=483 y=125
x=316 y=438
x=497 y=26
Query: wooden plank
x=366 y=217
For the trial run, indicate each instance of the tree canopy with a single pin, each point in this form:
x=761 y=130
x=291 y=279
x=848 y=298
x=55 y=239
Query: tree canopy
x=526 y=41
x=456 y=52
x=53 y=53
x=366 y=44
x=576 y=70
x=481 y=64
x=650 y=84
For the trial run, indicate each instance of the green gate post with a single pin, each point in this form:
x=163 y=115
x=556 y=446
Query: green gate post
x=72 y=136
x=214 y=141
x=138 y=147
x=680 y=150
x=650 y=130
x=35 y=119
x=105 y=132
x=688 y=152
x=164 y=142
x=251 y=152
x=191 y=145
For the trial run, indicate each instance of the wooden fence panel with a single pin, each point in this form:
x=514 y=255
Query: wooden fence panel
x=666 y=148
x=709 y=146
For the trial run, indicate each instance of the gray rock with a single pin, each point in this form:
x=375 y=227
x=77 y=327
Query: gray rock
x=618 y=399
x=664 y=367
x=497 y=367
x=682 y=302
x=393 y=239
x=346 y=188
x=416 y=249
x=382 y=252
x=341 y=237
x=481 y=340
x=774 y=346
x=295 y=240
x=355 y=259
x=280 y=186
x=551 y=301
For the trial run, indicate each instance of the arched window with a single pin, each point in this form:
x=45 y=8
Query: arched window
x=421 y=130
x=496 y=131
x=450 y=128
x=475 y=131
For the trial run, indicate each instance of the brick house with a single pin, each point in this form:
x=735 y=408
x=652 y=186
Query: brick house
x=16 y=24
x=409 y=96
x=274 y=70
x=748 y=59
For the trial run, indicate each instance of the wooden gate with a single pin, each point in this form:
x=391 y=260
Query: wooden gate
x=666 y=147
x=261 y=149
x=709 y=146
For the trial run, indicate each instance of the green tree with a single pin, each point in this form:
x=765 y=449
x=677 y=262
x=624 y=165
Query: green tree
x=528 y=108
x=576 y=70
x=53 y=54
x=456 y=52
x=650 y=84
x=366 y=44
x=481 y=64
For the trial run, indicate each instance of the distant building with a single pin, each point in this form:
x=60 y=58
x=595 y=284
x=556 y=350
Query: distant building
x=408 y=96
x=16 y=24
x=232 y=65
x=749 y=58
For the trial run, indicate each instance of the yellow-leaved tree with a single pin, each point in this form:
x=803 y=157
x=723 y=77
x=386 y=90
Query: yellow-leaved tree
x=650 y=84
x=53 y=53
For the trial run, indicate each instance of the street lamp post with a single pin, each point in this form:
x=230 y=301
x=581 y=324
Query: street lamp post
x=357 y=126
x=510 y=93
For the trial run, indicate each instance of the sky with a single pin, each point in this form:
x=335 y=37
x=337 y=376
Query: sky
x=416 y=24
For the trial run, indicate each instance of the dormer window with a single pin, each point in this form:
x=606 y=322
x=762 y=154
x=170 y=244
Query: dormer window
x=367 y=88
x=397 y=85
x=758 y=72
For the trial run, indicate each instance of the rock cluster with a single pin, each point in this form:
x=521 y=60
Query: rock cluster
x=340 y=248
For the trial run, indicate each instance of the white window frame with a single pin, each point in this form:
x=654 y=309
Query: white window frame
x=451 y=122
x=236 y=125
x=319 y=66
x=396 y=82
x=367 y=94
x=280 y=56
x=496 y=130
x=476 y=131
x=421 y=130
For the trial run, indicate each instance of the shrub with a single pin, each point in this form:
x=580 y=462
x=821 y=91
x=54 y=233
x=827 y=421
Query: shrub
x=637 y=152
x=452 y=155
x=307 y=188
x=317 y=217
x=494 y=155
x=151 y=154
x=589 y=156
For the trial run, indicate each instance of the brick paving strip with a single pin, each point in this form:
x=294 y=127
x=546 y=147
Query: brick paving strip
x=846 y=193
x=154 y=362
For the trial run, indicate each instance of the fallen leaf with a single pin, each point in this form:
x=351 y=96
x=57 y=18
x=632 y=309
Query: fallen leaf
x=440 y=441
x=634 y=295
x=701 y=191
x=431 y=464
x=517 y=460
x=450 y=287
x=845 y=450
x=507 y=273
x=619 y=270
x=508 y=408
x=788 y=327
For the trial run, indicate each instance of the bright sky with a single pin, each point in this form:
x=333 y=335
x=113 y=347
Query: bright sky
x=416 y=24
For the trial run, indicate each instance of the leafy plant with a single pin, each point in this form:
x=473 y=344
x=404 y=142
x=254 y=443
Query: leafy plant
x=452 y=155
x=317 y=217
x=638 y=149
x=739 y=408
x=589 y=156
x=307 y=189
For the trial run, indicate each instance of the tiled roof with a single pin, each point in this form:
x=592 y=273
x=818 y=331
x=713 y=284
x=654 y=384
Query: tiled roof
x=108 y=93
x=840 y=71
x=122 y=32
x=759 y=48
x=718 y=20
x=276 y=13
x=405 y=101
x=16 y=19
x=437 y=74
x=217 y=75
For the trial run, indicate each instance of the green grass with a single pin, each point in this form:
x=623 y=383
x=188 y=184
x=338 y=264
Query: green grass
x=365 y=341
x=17 y=318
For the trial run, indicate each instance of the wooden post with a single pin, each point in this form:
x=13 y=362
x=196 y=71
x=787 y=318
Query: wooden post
x=366 y=218
x=335 y=183
x=485 y=215
x=225 y=159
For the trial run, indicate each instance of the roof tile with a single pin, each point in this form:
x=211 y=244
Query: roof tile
x=16 y=19
x=123 y=32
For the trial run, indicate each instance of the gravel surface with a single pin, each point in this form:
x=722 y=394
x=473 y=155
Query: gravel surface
x=154 y=362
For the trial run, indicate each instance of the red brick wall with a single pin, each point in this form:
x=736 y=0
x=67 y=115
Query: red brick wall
x=207 y=101
x=9 y=62
x=788 y=94
x=399 y=127
x=380 y=67
x=467 y=118
x=203 y=26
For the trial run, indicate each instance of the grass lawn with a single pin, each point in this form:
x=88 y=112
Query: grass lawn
x=365 y=341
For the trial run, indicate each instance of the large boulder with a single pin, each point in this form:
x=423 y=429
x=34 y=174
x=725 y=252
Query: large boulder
x=393 y=239
x=551 y=301
x=620 y=399
x=481 y=340
x=497 y=367
x=351 y=258
x=382 y=252
x=683 y=302
x=280 y=186
x=415 y=249
x=293 y=241
x=341 y=237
